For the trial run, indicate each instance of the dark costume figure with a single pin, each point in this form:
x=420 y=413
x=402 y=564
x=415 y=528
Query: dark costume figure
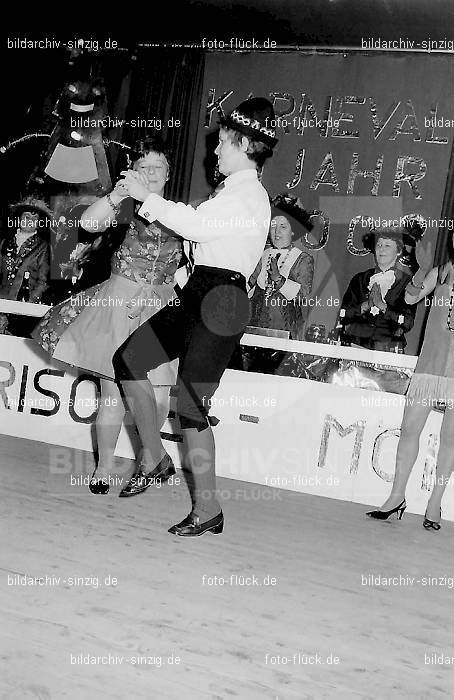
x=86 y=329
x=25 y=260
x=376 y=314
x=229 y=231
x=282 y=280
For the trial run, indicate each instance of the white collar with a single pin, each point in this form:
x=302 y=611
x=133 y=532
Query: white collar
x=240 y=176
x=24 y=235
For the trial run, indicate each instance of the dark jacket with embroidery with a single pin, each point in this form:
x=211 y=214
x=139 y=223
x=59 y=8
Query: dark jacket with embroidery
x=32 y=257
x=382 y=326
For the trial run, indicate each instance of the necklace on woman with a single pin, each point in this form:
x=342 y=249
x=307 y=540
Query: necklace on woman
x=271 y=286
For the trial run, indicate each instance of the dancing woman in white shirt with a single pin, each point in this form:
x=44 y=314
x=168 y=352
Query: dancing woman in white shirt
x=230 y=231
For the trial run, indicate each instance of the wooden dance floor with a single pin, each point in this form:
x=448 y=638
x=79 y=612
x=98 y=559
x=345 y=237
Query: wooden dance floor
x=170 y=629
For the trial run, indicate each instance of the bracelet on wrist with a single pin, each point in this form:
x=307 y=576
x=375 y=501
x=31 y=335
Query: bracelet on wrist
x=115 y=207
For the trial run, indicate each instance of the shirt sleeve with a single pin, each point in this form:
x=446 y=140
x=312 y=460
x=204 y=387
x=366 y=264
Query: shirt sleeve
x=216 y=218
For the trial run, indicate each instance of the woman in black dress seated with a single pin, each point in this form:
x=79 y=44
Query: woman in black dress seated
x=376 y=314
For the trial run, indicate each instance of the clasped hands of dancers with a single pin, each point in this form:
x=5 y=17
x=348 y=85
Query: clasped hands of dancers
x=228 y=234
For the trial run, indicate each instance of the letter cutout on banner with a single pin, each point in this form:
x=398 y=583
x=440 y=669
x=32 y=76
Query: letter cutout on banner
x=356 y=172
x=430 y=138
x=47 y=392
x=327 y=167
x=410 y=178
x=351 y=232
x=331 y=422
x=298 y=170
x=73 y=398
x=378 y=125
x=324 y=238
x=287 y=112
x=308 y=106
x=341 y=116
x=377 y=450
x=23 y=388
x=412 y=130
x=7 y=382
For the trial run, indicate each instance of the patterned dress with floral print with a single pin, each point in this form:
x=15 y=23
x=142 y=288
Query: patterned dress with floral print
x=86 y=329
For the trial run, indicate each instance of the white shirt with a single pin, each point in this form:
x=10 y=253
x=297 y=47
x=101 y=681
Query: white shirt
x=230 y=229
x=22 y=237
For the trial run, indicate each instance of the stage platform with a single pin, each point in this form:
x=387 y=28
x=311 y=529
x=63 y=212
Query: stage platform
x=170 y=629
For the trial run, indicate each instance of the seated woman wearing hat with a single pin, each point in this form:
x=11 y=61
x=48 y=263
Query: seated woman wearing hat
x=25 y=261
x=376 y=314
x=282 y=280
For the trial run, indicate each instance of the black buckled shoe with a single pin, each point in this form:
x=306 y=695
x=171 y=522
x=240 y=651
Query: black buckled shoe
x=192 y=527
x=140 y=481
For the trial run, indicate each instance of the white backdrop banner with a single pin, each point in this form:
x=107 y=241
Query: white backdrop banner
x=282 y=432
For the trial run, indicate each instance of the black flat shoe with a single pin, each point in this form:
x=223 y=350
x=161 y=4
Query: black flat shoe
x=99 y=486
x=192 y=527
x=140 y=481
x=431 y=524
x=385 y=514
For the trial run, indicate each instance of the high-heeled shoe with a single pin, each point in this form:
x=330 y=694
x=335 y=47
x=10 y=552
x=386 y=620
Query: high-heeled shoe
x=385 y=514
x=431 y=524
x=140 y=481
x=98 y=486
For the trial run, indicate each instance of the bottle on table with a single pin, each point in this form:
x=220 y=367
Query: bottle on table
x=398 y=335
x=24 y=292
x=335 y=337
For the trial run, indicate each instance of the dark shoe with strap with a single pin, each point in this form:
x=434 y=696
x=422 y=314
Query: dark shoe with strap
x=192 y=527
x=141 y=481
x=431 y=524
x=99 y=485
x=385 y=514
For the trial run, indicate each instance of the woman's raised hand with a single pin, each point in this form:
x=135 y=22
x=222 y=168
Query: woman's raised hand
x=136 y=184
x=120 y=190
x=424 y=256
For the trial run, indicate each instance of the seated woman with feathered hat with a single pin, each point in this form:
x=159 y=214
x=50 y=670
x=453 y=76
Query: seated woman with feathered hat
x=376 y=314
x=25 y=260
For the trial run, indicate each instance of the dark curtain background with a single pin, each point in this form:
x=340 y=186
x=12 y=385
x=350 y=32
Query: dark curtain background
x=143 y=83
x=166 y=84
